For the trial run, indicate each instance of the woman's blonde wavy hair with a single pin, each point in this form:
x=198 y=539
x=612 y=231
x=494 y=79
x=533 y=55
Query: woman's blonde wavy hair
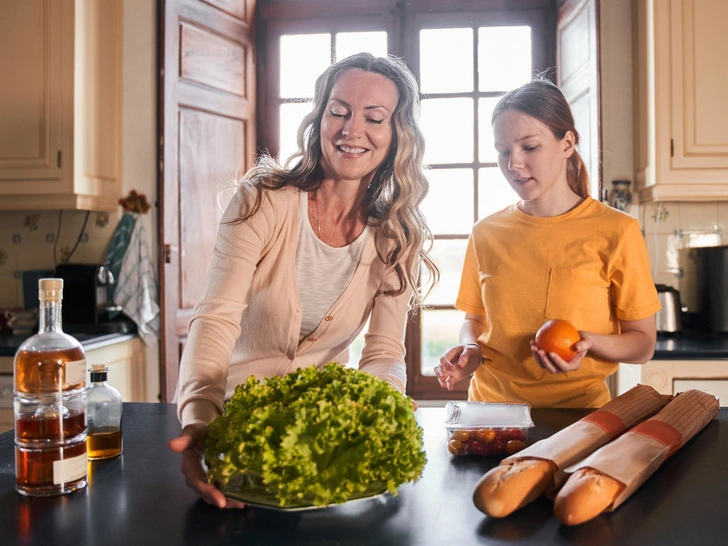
x=397 y=189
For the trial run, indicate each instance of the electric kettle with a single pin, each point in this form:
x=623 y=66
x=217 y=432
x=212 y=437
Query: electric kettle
x=668 y=318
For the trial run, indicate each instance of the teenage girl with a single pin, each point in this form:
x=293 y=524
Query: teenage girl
x=558 y=253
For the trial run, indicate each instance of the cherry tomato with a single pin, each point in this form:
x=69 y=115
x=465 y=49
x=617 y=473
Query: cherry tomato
x=461 y=435
x=478 y=448
x=456 y=447
x=514 y=446
x=501 y=436
x=517 y=434
x=497 y=448
x=485 y=435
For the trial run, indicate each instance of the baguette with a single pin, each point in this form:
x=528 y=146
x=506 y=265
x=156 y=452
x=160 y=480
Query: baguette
x=586 y=494
x=510 y=486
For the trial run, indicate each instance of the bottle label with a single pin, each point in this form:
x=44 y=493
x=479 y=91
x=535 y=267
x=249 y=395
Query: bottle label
x=70 y=470
x=75 y=372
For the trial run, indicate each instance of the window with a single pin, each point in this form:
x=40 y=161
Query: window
x=463 y=61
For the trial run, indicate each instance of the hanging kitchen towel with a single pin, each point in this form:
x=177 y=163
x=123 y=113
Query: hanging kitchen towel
x=136 y=287
x=117 y=250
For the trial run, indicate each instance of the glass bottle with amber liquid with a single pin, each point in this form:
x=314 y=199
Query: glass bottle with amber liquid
x=103 y=403
x=50 y=404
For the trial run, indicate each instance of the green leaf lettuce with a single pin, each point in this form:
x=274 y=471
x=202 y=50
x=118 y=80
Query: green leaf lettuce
x=316 y=436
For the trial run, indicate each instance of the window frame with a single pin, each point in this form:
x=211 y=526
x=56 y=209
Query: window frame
x=402 y=21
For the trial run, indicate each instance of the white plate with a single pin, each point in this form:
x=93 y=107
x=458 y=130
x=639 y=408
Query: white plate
x=251 y=498
x=254 y=496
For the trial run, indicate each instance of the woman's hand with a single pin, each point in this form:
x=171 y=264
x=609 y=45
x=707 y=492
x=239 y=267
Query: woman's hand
x=553 y=363
x=457 y=363
x=190 y=444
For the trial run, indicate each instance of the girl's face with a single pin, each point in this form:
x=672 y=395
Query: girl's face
x=356 y=128
x=531 y=158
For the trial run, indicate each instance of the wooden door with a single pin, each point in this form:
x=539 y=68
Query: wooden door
x=207 y=137
x=577 y=55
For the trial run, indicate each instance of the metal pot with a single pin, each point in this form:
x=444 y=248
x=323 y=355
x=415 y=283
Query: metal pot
x=712 y=265
x=668 y=318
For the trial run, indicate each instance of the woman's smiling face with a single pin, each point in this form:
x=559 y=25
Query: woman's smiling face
x=531 y=158
x=356 y=128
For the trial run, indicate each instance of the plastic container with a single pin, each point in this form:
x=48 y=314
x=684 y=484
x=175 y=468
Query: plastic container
x=487 y=429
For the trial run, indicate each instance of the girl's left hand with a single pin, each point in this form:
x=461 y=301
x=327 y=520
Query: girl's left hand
x=553 y=363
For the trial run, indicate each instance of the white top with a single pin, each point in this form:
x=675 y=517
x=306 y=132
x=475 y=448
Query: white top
x=322 y=272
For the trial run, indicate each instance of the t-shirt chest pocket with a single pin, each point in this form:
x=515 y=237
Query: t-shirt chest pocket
x=580 y=296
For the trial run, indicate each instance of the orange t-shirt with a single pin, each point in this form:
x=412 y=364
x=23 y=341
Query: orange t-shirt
x=589 y=266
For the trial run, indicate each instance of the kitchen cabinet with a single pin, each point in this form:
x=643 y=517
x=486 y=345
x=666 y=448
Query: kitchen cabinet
x=127 y=368
x=60 y=105
x=127 y=373
x=681 y=112
x=673 y=376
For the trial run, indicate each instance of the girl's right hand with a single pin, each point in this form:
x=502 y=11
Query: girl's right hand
x=457 y=363
x=190 y=444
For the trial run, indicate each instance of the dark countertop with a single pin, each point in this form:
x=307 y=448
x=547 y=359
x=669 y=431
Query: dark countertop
x=691 y=345
x=91 y=336
x=140 y=498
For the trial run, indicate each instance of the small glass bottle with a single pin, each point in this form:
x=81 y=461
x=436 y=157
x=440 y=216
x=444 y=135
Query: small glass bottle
x=50 y=404
x=103 y=439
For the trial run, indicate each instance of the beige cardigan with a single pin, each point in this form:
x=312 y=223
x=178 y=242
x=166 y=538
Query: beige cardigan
x=248 y=321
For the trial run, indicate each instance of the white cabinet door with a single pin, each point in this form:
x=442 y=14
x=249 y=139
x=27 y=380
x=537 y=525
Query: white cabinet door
x=699 y=79
x=673 y=376
x=127 y=369
x=60 y=105
x=681 y=113
x=716 y=387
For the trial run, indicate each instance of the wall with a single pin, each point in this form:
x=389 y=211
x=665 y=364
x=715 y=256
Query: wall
x=140 y=133
x=28 y=239
x=616 y=92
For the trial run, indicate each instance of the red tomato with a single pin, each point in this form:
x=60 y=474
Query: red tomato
x=501 y=435
x=497 y=448
x=517 y=434
x=461 y=435
x=514 y=446
x=485 y=435
x=456 y=447
x=478 y=448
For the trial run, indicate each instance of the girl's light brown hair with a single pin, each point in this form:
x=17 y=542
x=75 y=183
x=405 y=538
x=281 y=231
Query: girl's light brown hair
x=542 y=100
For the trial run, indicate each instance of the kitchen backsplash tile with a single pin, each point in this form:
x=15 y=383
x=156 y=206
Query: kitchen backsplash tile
x=697 y=216
x=27 y=241
x=723 y=217
x=660 y=218
x=671 y=230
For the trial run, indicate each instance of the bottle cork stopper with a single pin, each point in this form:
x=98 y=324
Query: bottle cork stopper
x=99 y=368
x=50 y=289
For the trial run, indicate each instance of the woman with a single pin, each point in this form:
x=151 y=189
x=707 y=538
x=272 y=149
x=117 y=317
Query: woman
x=306 y=255
x=556 y=254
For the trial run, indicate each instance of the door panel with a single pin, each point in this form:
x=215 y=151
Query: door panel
x=577 y=54
x=212 y=149
x=207 y=126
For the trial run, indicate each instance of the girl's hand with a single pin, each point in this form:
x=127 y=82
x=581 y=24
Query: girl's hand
x=457 y=363
x=190 y=444
x=553 y=363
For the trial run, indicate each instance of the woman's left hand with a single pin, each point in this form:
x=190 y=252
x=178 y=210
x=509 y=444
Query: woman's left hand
x=553 y=363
